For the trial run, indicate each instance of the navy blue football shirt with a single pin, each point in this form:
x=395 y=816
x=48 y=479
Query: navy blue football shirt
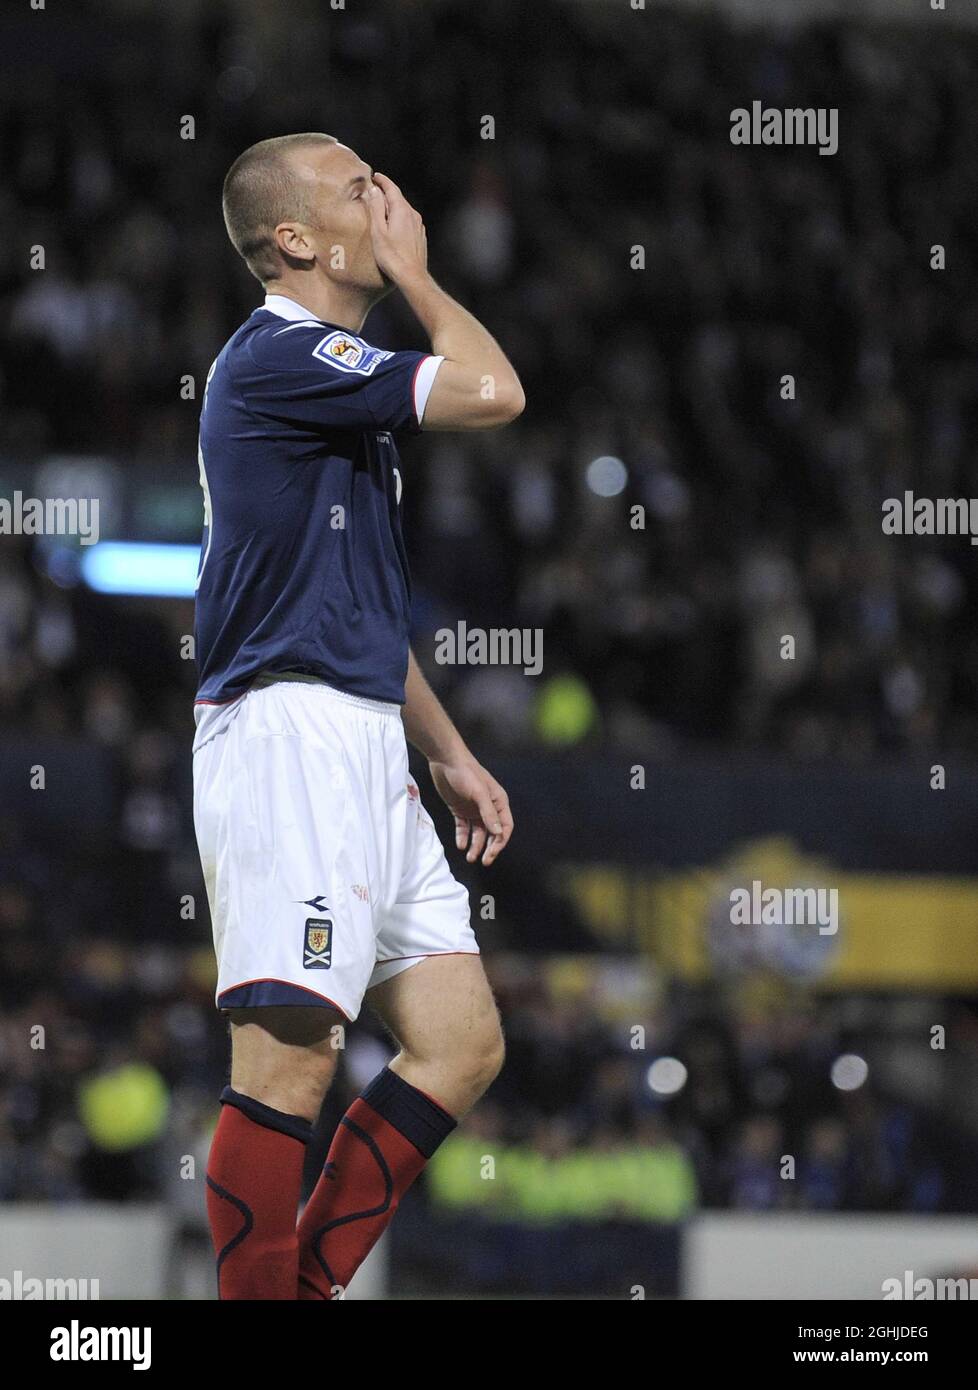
x=302 y=564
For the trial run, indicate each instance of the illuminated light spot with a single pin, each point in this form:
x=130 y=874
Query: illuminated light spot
x=606 y=476
x=849 y=1072
x=666 y=1076
x=134 y=567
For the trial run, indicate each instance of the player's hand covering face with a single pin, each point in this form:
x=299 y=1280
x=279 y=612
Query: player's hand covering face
x=483 y=820
x=397 y=232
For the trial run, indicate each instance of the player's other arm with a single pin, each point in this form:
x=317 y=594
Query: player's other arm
x=483 y=820
x=476 y=387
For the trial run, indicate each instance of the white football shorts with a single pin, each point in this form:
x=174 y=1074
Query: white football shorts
x=324 y=873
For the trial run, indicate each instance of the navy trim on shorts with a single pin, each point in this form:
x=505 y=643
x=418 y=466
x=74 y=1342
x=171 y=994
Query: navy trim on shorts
x=257 y=994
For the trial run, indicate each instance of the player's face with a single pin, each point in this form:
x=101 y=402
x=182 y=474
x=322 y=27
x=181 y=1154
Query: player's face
x=342 y=222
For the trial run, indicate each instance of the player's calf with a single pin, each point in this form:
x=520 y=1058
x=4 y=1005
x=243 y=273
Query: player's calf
x=282 y=1064
x=382 y=1144
x=445 y=1020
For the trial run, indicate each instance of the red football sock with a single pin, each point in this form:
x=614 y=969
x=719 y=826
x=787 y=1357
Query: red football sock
x=382 y=1143
x=254 y=1180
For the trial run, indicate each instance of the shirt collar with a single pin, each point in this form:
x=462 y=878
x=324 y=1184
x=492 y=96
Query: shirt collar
x=287 y=308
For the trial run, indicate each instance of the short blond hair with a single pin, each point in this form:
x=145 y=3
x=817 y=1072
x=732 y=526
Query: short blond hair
x=260 y=191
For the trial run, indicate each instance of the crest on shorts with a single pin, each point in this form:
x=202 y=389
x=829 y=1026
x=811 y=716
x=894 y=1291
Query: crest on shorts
x=318 y=950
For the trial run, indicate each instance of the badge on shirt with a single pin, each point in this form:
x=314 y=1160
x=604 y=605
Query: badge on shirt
x=349 y=354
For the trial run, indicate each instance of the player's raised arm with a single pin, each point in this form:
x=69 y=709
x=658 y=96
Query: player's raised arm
x=476 y=387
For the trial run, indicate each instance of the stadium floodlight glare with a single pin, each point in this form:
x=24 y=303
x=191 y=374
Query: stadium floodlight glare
x=141 y=568
x=606 y=476
x=666 y=1076
x=849 y=1072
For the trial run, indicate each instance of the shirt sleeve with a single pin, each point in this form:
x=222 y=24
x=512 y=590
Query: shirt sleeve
x=324 y=379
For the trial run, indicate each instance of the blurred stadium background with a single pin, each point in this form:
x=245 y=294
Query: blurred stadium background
x=661 y=1062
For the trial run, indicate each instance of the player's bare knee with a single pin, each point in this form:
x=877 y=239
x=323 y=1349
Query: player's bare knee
x=295 y=1087
x=489 y=1066
x=495 y=1056
x=283 y=1059
x=480 y=1060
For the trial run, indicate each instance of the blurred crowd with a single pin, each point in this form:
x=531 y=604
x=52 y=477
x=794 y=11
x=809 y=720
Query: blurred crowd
x=620 y=1096
x=654 y=284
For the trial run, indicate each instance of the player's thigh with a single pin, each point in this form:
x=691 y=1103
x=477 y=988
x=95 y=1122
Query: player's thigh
x=285 y=1057
x=442 y=1010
